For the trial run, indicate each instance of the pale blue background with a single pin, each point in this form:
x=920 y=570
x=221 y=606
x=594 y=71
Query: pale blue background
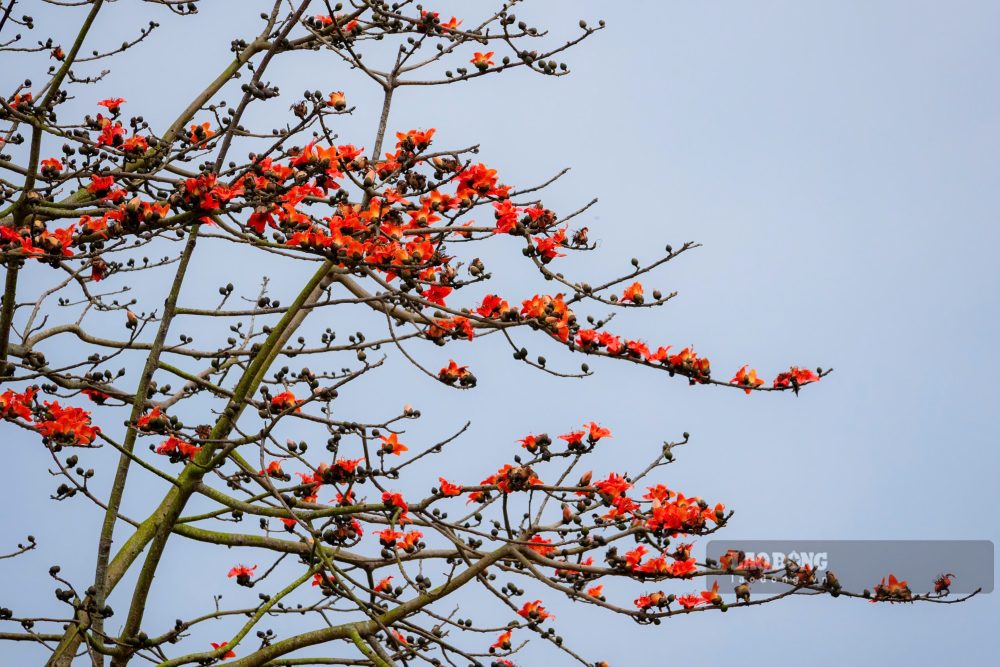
x=838 y=160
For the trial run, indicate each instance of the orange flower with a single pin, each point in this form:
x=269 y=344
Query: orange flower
x=337 y=100
x=795 y=377
x=177 y=449
x=534 y=611
x=16 y=405
x=453 y=373
x=67 y=426
x=596 y=591
x=152 y=422
x=502 y=642
x=414 y=139
x=50 y=167
x=392 y=445
x=384 y=585
x=595 y=432
x=285 y=401
x=482 y=61
x=410 y=540
x=448 y=489
x=690 y=601
x=894 y=591
x=540 y=545
x=633 y=293
x=199 y=133
x=748 y=379
x=113 y=105
x=657 y=599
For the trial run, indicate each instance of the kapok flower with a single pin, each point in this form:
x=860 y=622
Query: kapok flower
x=482 y=61
x=384 y=585
x=67 y=426
x=795 y=377
x=895 y=590
x=13 y=404
x=502 y=642
x=51 y=167
x=243 y=574
x=574 y=439
x=392 y=445
x=178 y=449
x=228 y=654
x=285 y=401
x=540 y=545
x=453 y=373
x=152 y=422
x=199 y=133
x=657 y=599
x=448 y=489
x=633 y=293
x=410 y=540
x=747 y=379
x=534 y=611
x=337 y=100
x=595 y=432
x=113 y=105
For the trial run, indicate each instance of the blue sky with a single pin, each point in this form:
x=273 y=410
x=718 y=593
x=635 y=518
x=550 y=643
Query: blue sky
x=839 y=163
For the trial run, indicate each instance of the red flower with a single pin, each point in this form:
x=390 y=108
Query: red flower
x=152 y=422
x=410 y=539
x=795 y=377
x=414 y=139
x=395 y=500
x=657 y=599
x=228 y=654
x=242 y=573
x=96 y=395
x=510 y=479
x=596 y=591
x=112 y=105
x=384 y=585
x=177 y=449
x=894 y=591
x=747 y=379
x=502 y=642
x=436 y=294
x=612 y=487
x=453 y=373
x=534 y=611
x=67 y=426
x=482 y=61
x=634 y=557
x=573 y=440
x=690 y=601
x=50 y=167
x=200 y=133
x=337 y=100
x=17 y=405
x=392 y=445
x=633 y=293
x=448 y=489
x=540 y=545
x=273 y=470
x=595 y=432
x=285 y=401
x=388 y=537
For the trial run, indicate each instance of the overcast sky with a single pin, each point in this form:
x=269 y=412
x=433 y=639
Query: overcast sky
x=838 y=161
